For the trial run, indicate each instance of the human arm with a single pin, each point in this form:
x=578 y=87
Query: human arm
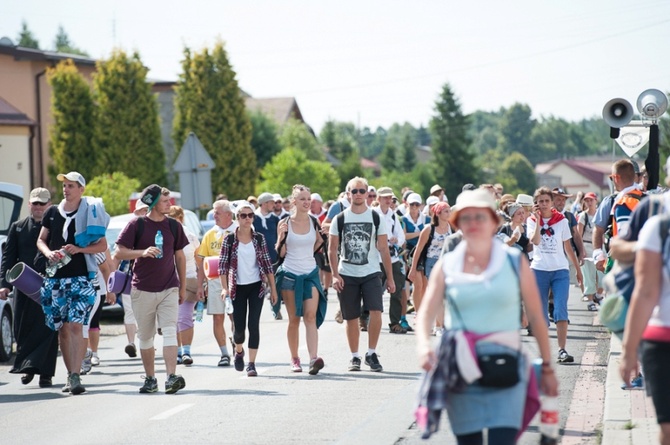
x=10 y=256
x=622 y=250
x=180 y=262
x=423 y=239
x=579 y=242
x=533 y=308
x=534 y=229
x=383 y=247
x=431 y=304
x=282 y=233
x=567 y=247
x=106 y=269
x=96 y=247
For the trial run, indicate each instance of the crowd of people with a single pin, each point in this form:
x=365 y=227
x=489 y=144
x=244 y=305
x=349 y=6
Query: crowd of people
x=480 y=272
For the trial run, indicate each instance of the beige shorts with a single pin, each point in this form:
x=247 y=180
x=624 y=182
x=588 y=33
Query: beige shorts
x=214 y=302
x=151 y=308
x=191 y=290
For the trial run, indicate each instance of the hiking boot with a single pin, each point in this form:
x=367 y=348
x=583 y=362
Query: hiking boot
x=131 y=350
x=186 y=360
x=225 y=361
x=373 y=362
x=150 y=385
x=636 y=383
x=355 y=364
x=316 y=365
x=75 y=385
x=86 y=363
x=251 y=370
x=239 y=361
x=295 y=365
x=564 y=357
x=66 y=387
x=174 y=383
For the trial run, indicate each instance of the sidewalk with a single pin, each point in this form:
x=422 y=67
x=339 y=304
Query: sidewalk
x=629 y=417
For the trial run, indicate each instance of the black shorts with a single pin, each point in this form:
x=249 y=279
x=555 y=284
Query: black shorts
x=656 y=369
x=368 y=288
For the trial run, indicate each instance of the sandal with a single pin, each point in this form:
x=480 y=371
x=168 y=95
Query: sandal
x=397 y=329
x=592 y=307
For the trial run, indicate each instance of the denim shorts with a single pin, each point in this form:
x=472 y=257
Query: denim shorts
x=287 y=284
x=559 y=283
x=430 y=263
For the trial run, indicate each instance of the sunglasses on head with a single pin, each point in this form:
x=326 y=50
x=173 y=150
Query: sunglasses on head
x=357 y=191
x=245 y=216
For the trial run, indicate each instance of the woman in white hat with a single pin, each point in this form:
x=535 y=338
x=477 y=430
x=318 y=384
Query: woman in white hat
x=483 y=281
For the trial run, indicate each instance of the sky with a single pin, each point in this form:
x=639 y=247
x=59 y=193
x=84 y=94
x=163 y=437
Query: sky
x=375 y=63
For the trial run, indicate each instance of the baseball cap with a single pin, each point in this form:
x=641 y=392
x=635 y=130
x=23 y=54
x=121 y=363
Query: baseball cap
x=413 y=198
x=40 y=194
x=277 y=197
x=432 y=200
x=468 y=187
x=72 y=176
x=265 y=197
x=150 y=195
x=384 y=191
x=316 y=197
x=406 y=195
x=561 y=191
x=590 y=195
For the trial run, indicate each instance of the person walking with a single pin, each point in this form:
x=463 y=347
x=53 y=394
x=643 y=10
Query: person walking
x=360 y=235
x=244 y=265
x=593 y=278
x=265 y=223
x=75 y=228
x=211 y=247
x=298 y=278
x=465 y=278
x=36 y=343
x=156 y=244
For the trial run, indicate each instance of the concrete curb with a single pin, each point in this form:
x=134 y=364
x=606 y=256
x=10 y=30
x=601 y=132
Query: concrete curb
x=629 y=417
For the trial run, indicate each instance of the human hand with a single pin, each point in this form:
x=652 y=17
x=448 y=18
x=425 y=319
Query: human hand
x=72 y=249
x=549 y=383
x=338 y=283
x=110 y=298
x=427 y=358
x=151 y=252
x=628 y=367
x=390 y=285
x=4 y=293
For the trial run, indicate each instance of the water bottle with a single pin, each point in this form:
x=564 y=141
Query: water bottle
x=549 y=421
x=199 y=309
x=228 y=303
x=63 y=259
x=159 y=243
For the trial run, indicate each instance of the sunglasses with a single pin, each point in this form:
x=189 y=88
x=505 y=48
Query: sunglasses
x=371 y=196
x=357 y=191
x=40 y=204
x=245 y=216
x=414 y=204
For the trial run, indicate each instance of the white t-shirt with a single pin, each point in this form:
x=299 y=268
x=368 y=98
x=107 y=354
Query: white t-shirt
x=247 y=266
x=395 y=230
x=650 y=239
x=550 y=254
x=359 y=256
x=587 y=235
x=189 y=253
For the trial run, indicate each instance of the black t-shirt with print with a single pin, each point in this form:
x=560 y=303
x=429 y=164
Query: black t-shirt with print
x=54 y=221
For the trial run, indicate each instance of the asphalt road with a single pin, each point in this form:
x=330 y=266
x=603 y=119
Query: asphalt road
x=221 y=405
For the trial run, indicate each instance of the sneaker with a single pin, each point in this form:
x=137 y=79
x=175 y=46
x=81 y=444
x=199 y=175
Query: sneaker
x=174 y=383
x=225 y=361
x=251 y=370
x=86 y=363
x=373 y=362
x=316 y=365
x=186 y=360
x=95 y=360
x=295 y=365
x=150 y=385
x=66 y=388
x=597 y=298
x=355 y=364
x=592 y=307
x=179 y=359
x=131 y=350
x=239 y=361
x=75 y=385
x=585 y=298
x=564 y=357
x=405 y=325
x=338 y=317
x=410 y=308
x=636 y=383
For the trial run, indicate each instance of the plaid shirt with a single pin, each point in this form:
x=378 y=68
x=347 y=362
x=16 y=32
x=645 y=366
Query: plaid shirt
x=228 y=260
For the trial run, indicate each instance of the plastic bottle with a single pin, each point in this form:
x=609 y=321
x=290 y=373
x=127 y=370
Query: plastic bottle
x=549 y=421
x=159 y=243
x=63 y=259
x=228 y=303
x=199 y=309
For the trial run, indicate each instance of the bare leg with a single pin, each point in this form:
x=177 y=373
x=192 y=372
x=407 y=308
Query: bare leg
x=353 y=334
x=131 y=331
x=562 y=333
x=148 y=357
x=170 y=357
x=186 y=336
x=93 y=339
x=219 y=330
x=374 y=328
x=293 y=329
x=309 y=319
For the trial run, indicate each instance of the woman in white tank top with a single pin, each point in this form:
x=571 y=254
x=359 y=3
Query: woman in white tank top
x=298 y=276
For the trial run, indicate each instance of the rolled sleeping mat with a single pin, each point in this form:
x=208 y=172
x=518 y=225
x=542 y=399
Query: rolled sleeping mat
x=25 y=279
x=119 y=282
x=211 y=266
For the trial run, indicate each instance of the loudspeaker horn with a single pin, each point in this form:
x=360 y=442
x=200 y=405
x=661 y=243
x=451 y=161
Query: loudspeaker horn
x=617 y=112
x=652 y=103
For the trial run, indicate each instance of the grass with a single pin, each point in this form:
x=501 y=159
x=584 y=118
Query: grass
x=629 y=425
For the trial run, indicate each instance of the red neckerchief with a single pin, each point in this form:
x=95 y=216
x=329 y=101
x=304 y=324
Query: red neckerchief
x=556 y=216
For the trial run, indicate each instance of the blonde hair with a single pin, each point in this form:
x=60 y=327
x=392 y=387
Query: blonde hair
x=356 y=180
x=177 y=213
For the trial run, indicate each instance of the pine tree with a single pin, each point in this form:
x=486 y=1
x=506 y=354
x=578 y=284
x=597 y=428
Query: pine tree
x=209 y=103
x=26 y=38
x=73 y=112
x=62 y=43
x=127 y=130
x=264 y=138
x=389 y=156
x=454 y=162
x=408 y=158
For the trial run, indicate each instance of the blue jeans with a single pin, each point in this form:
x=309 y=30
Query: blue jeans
x=559 y=282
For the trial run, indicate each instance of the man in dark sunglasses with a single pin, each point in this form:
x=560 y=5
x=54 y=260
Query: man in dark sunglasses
x=37 y=344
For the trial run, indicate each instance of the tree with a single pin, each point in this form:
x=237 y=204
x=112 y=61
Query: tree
x=291 y=166
x=209 y=103
x=264 y=139
x=114 y=189
x=517 y=175
x=295 y=134
x=454 y=162
x=127 y=132
x=350 y=168
x=516 y=127
x=408 y=154
x=341 y=139
x=389 y=157
x=62 y=44
x=26 y=38
x=73 y=111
